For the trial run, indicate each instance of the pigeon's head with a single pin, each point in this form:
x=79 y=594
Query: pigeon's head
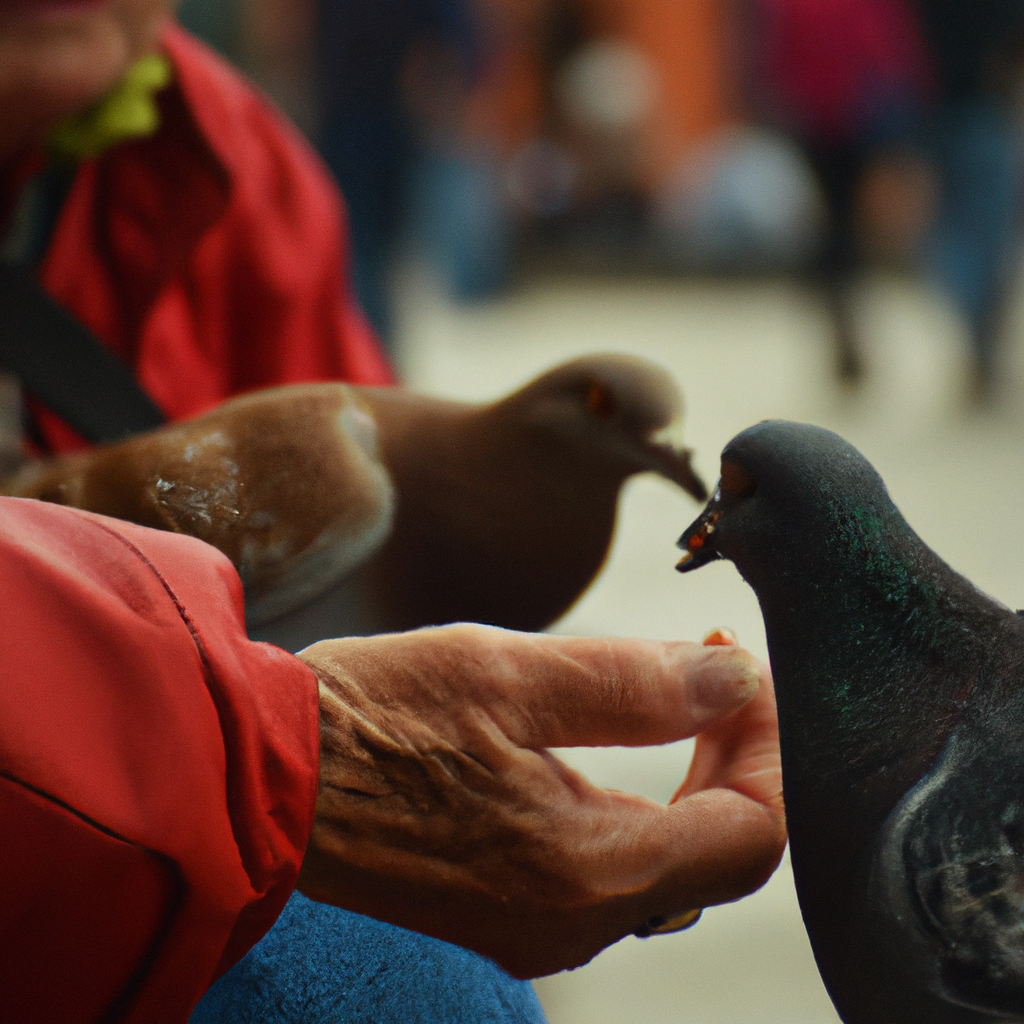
x=791 y=496
x=612 y=412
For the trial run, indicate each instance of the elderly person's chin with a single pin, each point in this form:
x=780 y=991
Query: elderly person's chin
x=58 y=56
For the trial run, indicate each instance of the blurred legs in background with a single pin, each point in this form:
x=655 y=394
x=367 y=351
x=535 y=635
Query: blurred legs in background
x=971 y=248
x=839 y=168
x=370 y=151
x=394 y=79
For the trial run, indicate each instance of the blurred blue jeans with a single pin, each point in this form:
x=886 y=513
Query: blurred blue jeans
x=322 y=965
x=977 y=152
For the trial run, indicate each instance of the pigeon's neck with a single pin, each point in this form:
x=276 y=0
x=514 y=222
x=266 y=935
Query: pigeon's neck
x=859 y=628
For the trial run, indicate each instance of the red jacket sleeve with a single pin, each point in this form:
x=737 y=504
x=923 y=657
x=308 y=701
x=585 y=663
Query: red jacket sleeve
x=158 y=770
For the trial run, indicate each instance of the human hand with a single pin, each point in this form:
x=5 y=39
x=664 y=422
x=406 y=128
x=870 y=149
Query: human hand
x=441 y=810
x=740 y=752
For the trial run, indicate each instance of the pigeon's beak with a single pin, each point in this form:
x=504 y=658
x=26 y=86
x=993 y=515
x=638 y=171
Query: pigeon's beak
x=675 y=465
x=698 y=541
x=674 y=462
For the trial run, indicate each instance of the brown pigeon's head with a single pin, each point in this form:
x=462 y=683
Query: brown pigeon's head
x=612 y=410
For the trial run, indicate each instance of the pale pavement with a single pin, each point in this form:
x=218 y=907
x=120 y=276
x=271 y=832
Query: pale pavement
x=742 y=352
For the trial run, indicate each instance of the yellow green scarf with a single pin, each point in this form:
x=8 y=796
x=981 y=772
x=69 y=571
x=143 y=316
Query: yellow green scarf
x=128 y=111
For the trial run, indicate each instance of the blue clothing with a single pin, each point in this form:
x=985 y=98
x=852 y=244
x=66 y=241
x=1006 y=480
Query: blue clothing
x=971 y=250
x=322 y=965
x=373 y=143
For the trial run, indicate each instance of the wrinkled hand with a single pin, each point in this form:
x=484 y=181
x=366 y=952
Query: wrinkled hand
x=440 y=809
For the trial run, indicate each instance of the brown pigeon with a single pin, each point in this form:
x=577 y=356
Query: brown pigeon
x=505 y=511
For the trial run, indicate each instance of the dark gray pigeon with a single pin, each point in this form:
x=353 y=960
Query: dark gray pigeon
x=901 y=714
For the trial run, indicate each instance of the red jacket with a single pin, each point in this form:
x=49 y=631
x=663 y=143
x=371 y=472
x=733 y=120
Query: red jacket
x=212 y=256
x=158 y=770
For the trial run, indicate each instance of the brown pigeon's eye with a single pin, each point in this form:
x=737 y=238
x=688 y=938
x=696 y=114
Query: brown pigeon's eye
x=600 y=401
x=736 y=482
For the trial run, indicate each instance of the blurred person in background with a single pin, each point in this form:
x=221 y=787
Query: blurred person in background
x=849 y=81
x=392 y=78
x=977 y=49
x=905 y=112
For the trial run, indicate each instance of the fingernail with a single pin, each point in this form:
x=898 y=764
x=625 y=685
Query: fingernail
x=728 y=679
x=721 y=637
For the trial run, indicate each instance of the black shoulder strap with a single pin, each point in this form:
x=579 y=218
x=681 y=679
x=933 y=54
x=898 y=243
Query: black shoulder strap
x=67 y=368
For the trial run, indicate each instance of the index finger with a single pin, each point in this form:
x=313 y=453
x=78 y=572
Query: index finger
x=552 y=691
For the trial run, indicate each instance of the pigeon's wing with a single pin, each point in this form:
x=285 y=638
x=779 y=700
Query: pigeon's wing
x=948 y=876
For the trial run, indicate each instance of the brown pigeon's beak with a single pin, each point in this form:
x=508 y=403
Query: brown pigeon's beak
x=698 y=541
x=674 y=464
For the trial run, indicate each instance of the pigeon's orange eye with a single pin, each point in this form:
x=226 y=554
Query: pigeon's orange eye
x=736 y=482
x=600 y=401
